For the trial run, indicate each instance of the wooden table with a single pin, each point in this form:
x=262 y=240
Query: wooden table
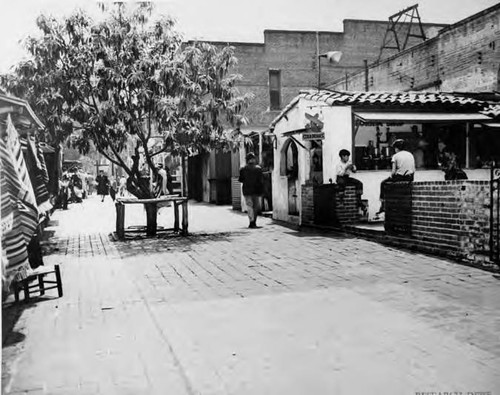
x=176 y=200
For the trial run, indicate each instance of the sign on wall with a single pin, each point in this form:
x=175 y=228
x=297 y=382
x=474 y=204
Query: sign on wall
x=313 y=136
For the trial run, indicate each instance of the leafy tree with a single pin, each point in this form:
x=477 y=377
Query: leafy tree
x=129 y=86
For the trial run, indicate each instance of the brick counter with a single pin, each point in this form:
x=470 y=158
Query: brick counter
x=447 y=218
x=326 y=205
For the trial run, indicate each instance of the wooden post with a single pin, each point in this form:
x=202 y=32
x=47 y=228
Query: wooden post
x=467 y=145
x=260 y=148
x=151 y=225
x=41 y=285
x=120 y=220
x=176 y=216
x=184 y=176
x=366 y=75
x=59 y=281
x=185 y=217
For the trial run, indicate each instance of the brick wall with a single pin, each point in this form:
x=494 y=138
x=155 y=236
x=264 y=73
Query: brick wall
x=294 y=53
x=462 y=57
x=346 y=206
x=326 y=205
x=448 y=218
x=307 y=209
x=398 y=204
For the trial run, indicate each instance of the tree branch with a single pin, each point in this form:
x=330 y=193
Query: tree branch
x=165 y=149
x=108 y=157
x=118 y=156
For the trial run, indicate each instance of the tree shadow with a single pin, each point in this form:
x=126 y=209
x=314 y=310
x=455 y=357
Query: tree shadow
x=169 y=242
x=11 y=312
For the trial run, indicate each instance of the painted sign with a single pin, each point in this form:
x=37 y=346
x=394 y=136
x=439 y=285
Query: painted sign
x=313 y=136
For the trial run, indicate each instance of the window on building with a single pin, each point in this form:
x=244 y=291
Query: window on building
x=275 y=89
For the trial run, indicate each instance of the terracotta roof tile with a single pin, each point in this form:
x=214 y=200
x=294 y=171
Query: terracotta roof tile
x=492 y=111
x=403 y=99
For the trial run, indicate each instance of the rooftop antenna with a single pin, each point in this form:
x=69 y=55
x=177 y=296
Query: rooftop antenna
x=400 y=29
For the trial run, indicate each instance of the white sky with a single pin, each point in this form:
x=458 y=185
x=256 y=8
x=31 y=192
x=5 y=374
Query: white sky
x=233 y=20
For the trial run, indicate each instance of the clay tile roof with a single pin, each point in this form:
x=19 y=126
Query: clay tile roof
x=428 y=100
x=492 y=111
x=334 y=97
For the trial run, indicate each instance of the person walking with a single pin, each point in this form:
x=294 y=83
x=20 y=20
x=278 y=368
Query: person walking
x=102 y=185
x=64 y=191
x=403 y=169
x=122 y=188
x=253 y=181
x=162 y=180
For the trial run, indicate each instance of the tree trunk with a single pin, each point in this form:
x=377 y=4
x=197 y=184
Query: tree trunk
x=151 y=217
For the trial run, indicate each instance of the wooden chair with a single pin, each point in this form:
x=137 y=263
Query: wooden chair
x=36 y=282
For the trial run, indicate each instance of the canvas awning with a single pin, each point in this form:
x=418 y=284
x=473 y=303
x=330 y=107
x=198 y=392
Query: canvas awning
x=419 y=117
x=23 y=111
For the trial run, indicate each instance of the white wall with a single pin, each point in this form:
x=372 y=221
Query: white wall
x=338 y=135
x=293 y=121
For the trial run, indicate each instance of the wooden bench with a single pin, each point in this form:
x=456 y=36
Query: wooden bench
x=176 y=200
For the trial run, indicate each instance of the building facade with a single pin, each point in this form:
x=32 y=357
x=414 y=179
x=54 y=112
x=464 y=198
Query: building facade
x=275 y=71
x=462 y=57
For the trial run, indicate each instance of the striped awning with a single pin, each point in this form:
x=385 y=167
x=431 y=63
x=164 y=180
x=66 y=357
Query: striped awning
x=19 y=211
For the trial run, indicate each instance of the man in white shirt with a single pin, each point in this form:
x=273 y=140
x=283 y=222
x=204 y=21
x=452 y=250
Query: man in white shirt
x=403 y=169
x=343 y=171
x=162 y=180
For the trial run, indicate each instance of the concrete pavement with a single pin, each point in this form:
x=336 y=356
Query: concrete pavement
x=230 y=310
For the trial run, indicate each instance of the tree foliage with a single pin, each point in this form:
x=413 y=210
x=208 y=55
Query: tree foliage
x=129 y=86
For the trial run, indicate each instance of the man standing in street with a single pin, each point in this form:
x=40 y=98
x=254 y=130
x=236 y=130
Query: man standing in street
x=102 y=185
x=162 y=181
x=252 y=178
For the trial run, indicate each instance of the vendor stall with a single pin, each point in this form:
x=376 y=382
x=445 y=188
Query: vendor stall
x=316 y=125
x=434 y=210
x=25 y=198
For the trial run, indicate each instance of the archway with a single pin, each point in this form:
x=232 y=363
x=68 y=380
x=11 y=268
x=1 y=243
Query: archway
x=289 y=167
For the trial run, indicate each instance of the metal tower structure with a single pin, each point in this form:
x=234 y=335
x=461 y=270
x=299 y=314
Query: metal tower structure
x=400 y=29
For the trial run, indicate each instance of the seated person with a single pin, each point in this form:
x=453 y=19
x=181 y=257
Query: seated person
x=343 y=172
x=451 y=168
x=403 y=169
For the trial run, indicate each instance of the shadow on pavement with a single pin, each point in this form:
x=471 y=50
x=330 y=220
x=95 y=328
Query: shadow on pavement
x=313 y=233
x=136 y=245
x=11 y=312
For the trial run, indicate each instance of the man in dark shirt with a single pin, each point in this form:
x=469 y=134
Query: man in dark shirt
x=252 y=179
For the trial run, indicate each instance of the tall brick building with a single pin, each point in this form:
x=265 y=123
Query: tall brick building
x=463 y=57
x=275 y=71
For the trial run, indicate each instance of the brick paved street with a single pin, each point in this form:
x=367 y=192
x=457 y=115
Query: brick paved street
x=231 y=310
